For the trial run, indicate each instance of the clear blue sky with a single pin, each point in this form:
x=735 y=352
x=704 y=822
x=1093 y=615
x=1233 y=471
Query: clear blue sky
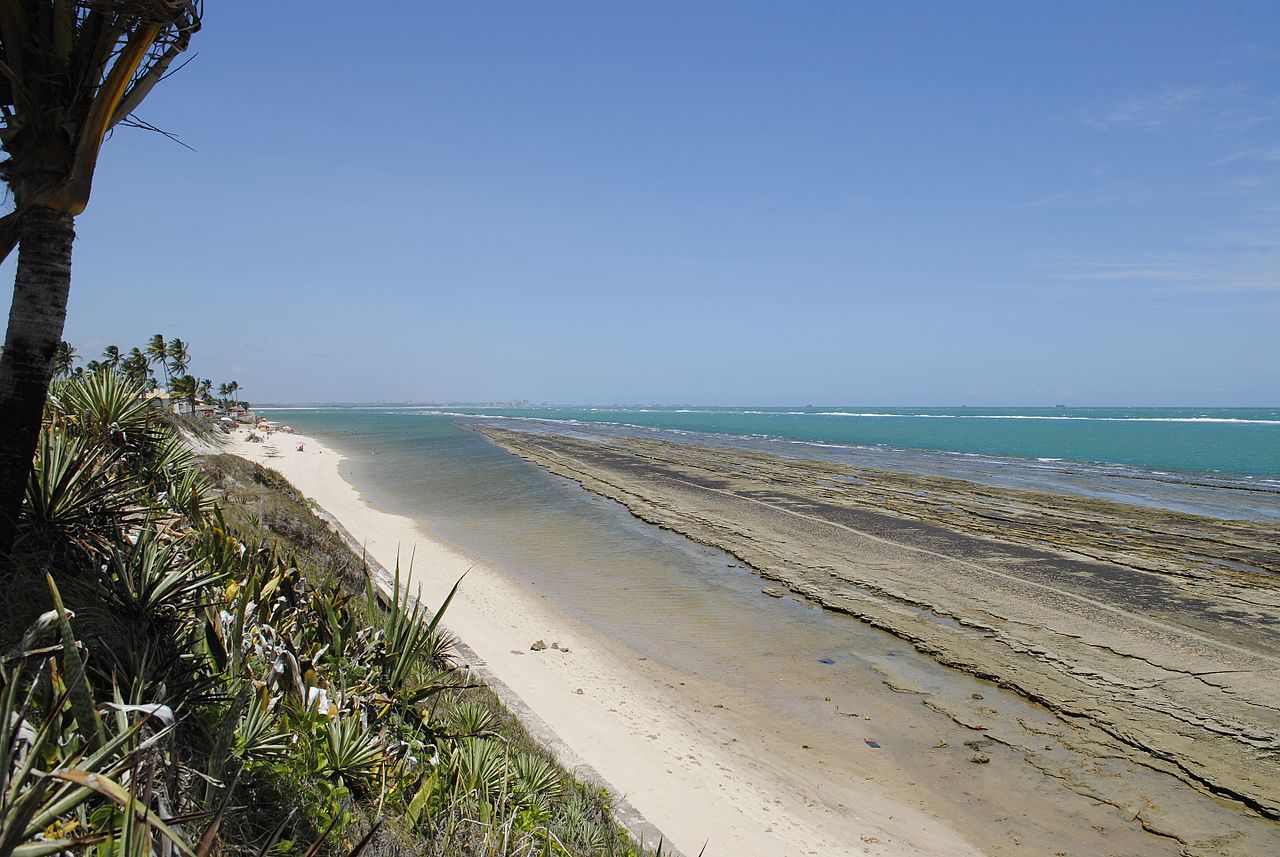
x=583 y=202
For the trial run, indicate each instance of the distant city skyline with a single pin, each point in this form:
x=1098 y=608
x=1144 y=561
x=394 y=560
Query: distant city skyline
x=713 y=203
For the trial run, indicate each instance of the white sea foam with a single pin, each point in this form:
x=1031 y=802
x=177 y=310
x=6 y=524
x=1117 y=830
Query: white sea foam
x=1236 y=420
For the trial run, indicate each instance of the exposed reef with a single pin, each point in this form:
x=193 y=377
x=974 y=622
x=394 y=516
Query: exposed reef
x=1154 y=636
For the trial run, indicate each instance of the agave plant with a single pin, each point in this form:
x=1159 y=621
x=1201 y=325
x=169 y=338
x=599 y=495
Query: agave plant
x=151 y=594
x=58 y=755
x=258 y=736
x=106 y=408
x=351 y=752
x=74 y=497
x=407 y=635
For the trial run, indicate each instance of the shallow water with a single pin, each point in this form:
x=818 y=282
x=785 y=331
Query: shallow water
x=696 y=610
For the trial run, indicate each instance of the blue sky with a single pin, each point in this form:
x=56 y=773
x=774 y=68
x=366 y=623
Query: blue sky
x=580 y=202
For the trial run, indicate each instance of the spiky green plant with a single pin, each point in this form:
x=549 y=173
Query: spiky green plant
x=470 y=719
x=57 y=754
x=351 y=752
x=536 y=784
x=480 y=768
x=258 y=734
x=108 y=409
x=74 y=499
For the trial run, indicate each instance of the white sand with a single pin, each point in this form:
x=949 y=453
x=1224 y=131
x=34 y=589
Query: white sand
x=726 y=777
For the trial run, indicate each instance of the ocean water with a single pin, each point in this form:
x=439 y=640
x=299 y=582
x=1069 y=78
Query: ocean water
x=696 y=610
x=1230 y=441
x=1218 y=462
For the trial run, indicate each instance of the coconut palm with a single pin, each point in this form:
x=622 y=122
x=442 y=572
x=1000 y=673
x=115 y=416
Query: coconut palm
x=72 y=70
x=187 y=387
x=136 y=367
x=179 y=357
x=111 y=356
x=64 y=360
x=157 y=351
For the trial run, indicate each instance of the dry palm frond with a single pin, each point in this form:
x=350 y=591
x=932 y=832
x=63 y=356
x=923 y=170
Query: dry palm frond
x=72 y=70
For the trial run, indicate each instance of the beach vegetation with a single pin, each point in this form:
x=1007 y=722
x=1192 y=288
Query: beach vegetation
x=195 y=663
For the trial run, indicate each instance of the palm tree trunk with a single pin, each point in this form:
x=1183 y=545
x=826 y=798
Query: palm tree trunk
x=36 y=318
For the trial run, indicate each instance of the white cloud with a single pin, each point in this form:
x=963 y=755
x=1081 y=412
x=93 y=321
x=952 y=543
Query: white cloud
x=1221 y=109
x=1180 y=275
x=1148 y=111
x=1266 y=154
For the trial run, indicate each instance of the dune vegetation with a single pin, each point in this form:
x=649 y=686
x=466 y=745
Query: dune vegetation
x=195 y=664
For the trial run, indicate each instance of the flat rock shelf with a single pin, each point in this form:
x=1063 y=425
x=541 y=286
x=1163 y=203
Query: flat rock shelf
x=1152 y=636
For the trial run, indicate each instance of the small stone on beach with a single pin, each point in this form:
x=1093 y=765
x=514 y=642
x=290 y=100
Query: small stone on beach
x=980 y=758
x=538 y=646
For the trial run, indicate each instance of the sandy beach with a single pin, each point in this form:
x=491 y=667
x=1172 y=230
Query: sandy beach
x=696 y=762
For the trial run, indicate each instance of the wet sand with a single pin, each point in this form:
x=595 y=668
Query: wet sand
x=1147 y=639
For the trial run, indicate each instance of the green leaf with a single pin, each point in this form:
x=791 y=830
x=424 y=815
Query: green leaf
x=124 y=798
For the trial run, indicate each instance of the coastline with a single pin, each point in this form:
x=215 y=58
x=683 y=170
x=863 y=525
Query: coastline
x=691 y=759
x=1062 y=613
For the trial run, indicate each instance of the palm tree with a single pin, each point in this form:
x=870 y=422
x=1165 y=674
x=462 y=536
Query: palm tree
x=136 y=368
x=111 y=356
x=158 y=352
x=72 y=70
x=233 y=391
x=206 y=388
x=185 y=386
x=64 y=360
x=179 y=357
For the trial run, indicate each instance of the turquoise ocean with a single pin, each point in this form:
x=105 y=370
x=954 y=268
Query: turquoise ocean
x=1218 y=461
x=1243 y=442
